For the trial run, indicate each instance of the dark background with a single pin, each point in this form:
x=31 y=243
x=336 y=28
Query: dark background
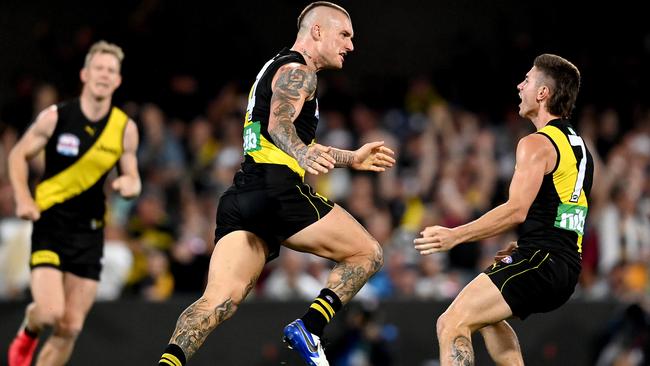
x=474 y=51
x=131 y=333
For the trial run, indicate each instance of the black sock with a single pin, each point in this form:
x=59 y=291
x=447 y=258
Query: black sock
x=321 y=311
x=173 y=356
x=30 y=333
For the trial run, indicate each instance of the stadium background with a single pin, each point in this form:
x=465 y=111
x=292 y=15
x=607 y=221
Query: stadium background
x=435 y=79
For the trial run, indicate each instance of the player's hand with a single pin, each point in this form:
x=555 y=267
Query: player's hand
x=506 y=251
x=27 y=209
x=317 y=159
x=373 y=156
x=126 y=186
x=436 y=239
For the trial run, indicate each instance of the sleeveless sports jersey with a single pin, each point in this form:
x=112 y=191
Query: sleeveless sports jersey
x=258 y=144
x=556 y=219
x=78 y=157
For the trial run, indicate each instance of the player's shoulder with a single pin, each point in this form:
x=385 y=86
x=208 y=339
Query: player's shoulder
x=50 y=113
x=296 y=70
x=295 y=75
x=47 y=118
x=534 y=141
x=131 y=125
x=534 y=145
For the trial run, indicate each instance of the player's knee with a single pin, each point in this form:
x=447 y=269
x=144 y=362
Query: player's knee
x=451 y=322
x=441 y=324
x=48 y=315
x=68 y=329
x=224 y=304
x=376 y=256
x=369 y=254
x=446 y=323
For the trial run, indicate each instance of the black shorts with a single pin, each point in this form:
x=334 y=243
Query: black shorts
x=534 y=280
x=270 y=201
x=56 y=245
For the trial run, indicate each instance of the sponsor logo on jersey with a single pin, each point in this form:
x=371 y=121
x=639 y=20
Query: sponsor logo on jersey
x=68 y=145
x=571 y=218
x=252 y=139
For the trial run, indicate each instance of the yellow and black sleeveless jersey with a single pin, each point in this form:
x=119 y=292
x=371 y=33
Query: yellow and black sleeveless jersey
x=78 y=157
x=556 y=219
x=258 y=144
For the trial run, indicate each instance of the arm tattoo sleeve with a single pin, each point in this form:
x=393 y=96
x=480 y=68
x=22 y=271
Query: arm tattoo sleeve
x=286 y=94
x=343 y=158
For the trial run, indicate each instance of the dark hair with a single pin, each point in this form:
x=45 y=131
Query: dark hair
x=566 y=83
x=316 y=4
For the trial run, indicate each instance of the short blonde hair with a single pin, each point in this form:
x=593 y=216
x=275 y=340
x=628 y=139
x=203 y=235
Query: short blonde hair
x=316 y=4
x=104 y=47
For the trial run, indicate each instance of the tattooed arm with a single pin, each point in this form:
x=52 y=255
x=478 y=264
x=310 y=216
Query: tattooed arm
x=344 y=158
x=372 y=156
x=292 y=85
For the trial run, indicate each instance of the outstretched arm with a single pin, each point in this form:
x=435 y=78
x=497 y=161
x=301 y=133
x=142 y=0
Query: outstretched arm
x=293 y=84
x=32 y=143
x=372 y=156
x=128 y=183
x=535 y=157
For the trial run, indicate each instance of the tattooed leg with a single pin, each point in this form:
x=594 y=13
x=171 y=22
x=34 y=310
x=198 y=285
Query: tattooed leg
x=349 y=275
x=339 y=237
x=462 y=353
x=199 y=320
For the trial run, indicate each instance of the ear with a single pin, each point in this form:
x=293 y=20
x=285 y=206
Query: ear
x=315 y=32
x=83 y=75
x=543 y=92
x=118 y=81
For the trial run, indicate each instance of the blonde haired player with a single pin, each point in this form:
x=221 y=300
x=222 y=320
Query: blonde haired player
x=83 y=139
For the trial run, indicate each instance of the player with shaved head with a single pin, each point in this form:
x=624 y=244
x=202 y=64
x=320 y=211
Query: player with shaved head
x=269 y=205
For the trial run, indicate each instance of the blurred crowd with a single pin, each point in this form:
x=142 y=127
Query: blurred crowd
x=453 y=166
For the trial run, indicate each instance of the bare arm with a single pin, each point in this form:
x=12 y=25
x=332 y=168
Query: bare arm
x=293 y=84
x=372 y=156
x=343 y=158
x=32 y=143
x=128 y=184
x=535 y=157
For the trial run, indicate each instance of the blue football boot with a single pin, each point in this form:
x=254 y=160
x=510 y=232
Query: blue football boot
x=306 y=344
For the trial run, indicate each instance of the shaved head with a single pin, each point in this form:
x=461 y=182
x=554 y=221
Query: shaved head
x=316 y=12
x=324 y=35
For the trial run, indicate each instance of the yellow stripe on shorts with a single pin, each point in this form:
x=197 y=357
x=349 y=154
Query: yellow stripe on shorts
x=45 y=257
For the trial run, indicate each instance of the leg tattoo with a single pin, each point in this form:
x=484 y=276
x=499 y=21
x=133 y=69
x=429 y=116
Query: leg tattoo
x=198 y=320
x=349 y=278
x=462 y=353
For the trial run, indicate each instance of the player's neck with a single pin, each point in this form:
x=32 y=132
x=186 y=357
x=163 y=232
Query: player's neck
x=542 y=119
x=93 y=108
x=308 y=55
